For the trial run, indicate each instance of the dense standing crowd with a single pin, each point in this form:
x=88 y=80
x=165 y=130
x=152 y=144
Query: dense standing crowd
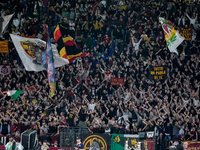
x=123 y=38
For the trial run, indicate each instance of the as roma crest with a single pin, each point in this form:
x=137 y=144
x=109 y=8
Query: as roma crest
x=95 y=142
x=29 y=48
x=34 y=50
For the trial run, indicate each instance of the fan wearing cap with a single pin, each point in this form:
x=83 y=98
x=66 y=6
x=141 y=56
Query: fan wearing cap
x=13 y=145
x=79 y=145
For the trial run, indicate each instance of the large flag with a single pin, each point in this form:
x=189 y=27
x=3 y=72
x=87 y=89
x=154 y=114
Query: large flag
x=67 y=46
x=31 y=51
x=4 y=22
x=58 y=38
x=13 y=93
x=172 y=37
x=50 y=67
x=122 y=141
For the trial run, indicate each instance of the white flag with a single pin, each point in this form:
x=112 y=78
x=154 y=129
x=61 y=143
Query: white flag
x=172 y=37
x=6 y=20
x=31 y=51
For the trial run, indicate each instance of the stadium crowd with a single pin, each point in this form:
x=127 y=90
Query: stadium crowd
x=123 y=38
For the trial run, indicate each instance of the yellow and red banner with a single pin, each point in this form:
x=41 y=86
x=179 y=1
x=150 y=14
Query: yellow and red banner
x=32 y=88
x=4 y=46
x=117 y=81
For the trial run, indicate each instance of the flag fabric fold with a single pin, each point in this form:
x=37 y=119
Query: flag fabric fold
x=4 y=22
x=13 y=93
x=50 y=67
x=59 y=40
x=172 y=37
x=67 y=46
x=31 y=52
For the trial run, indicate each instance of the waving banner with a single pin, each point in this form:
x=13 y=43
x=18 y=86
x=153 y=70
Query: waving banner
x=117 y=81
x=31 y=51
x=172 y=37
x=5 y=21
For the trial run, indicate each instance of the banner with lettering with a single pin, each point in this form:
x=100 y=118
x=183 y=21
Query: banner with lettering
x=32 y=88
x=186 y=33
x=95 y=141
x=157 y=73
x=5 y=70
x=191 y=145
x=4 y=46
x=117 y=81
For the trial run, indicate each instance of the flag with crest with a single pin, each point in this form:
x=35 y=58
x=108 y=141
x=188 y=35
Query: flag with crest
x=172 y=37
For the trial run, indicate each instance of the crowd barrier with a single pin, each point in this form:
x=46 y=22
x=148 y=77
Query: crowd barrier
x=141 y=141
x=68 y=136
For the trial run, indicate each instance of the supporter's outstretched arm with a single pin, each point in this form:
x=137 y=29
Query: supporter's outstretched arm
x=76 y=86
x=90 y=130
x=63 y=74
x=190 y=69
x=86 y=86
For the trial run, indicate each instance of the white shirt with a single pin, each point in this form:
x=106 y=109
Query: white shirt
x=9 y=144
x=136 y=45
x=192 y=21
x=16 y=22
x=186 y=101
x=127 y=97
x=103 y=3
x=194 y=35
x=181 y=131
x=197 y=26
x=196 y=102
x=91 y=107
x=183 y=21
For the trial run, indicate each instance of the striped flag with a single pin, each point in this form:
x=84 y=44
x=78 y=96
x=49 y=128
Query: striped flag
x=67 y=46
x=58 y=38
x=72 y=50
x=13 y=93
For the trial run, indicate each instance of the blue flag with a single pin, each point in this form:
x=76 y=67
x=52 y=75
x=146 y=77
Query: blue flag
x=50 y=66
